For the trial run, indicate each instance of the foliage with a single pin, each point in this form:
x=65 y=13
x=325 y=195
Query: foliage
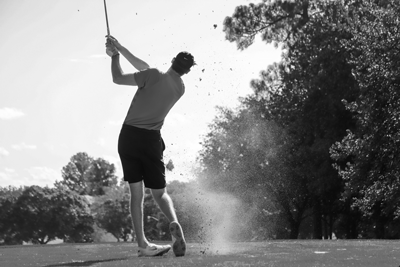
x=339 y=57
x=277 y=21
x=111 y=212
x=39 y=215
x=303 y=93
x=368 y=157
x=9 y=234
x=245 y=155
x=88 y=176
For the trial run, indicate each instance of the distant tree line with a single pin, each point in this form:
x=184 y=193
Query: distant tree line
x=315 y=147
x=87 y=203
x=39 y=215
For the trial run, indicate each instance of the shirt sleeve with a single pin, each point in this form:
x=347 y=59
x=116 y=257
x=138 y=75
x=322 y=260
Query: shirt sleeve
x=146 y=77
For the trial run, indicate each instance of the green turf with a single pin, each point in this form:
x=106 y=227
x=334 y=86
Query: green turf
x=304 y=253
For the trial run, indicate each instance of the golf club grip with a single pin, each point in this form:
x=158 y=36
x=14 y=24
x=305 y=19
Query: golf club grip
x=105 y=10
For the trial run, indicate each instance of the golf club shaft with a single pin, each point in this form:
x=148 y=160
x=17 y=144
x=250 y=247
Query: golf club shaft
x=105 y=10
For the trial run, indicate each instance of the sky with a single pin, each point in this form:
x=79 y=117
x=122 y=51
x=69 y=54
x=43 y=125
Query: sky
x=57 y=97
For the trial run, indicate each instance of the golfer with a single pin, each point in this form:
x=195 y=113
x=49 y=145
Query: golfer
x=140 y=145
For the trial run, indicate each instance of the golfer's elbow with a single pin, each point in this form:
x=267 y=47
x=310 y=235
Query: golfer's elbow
x=117 y=79
x=145 y=66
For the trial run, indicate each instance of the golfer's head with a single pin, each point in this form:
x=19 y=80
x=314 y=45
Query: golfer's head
x=182 y=63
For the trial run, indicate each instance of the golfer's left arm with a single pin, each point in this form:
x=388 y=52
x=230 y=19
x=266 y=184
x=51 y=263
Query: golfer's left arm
x=135 y=61
x=119 y=77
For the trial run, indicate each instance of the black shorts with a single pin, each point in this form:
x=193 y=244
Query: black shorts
x=141 y=154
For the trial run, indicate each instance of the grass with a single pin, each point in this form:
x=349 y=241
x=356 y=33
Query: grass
x=303 y=253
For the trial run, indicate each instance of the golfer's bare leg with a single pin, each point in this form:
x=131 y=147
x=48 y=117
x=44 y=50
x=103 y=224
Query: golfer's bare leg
x=165 y=203
x=137 y=197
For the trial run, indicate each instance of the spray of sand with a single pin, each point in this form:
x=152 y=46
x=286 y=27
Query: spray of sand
x=224 y=217
x=222 y=221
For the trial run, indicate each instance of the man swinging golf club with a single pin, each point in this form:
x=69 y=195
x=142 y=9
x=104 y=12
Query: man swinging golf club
x=140 y=145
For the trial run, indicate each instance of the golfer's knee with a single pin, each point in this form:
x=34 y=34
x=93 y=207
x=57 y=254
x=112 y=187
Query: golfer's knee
x=159 y=193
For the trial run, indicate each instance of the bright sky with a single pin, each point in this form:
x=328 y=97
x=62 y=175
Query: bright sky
x=56 y=93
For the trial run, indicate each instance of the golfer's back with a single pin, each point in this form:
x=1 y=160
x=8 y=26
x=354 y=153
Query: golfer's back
x=157 y=94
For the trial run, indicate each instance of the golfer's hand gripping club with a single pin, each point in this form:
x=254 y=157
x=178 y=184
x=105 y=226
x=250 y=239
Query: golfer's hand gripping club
x=111 y=49
x=136 y=62
x=114 y=41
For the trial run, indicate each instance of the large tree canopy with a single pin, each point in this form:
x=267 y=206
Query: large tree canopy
x=276 y=21
x=245 y=155
x=40 y=215
x=88 y=176
x=333 y=51
x=303 y=93
x=370 y=154
x=9 y=235
x=111 y=212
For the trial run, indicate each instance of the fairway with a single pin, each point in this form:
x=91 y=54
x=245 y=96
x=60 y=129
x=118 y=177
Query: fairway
x=272 y=253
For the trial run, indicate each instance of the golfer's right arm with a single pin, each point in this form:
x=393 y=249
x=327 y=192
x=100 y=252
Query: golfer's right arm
x=119 y=77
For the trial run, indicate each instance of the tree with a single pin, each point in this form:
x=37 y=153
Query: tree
x=88 y=176
x=368 y=156
x=44 y=214
x=74 y=174
x=74 y=216
x=276 y=21
x=320 y=40
x=101 y=175
x=8 y=232
x=303 y=94
x=245 y=155
x=334 y=51
x=111 y=212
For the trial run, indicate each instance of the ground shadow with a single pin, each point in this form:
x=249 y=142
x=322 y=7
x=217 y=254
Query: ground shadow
x=84 y=263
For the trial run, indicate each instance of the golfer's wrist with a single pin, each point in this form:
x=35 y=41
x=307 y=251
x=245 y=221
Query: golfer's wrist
x=116 y=55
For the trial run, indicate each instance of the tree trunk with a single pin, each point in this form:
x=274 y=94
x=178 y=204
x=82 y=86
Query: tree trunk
x=326 y=227
x=380 y=229
x=380 y=222
x=331 y=221
x=294 y=230
x=352 y=220
x=317 y=233
x=351 y=230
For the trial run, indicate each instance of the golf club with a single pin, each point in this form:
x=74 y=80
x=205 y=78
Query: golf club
x=109 y=52
x=105 y=10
